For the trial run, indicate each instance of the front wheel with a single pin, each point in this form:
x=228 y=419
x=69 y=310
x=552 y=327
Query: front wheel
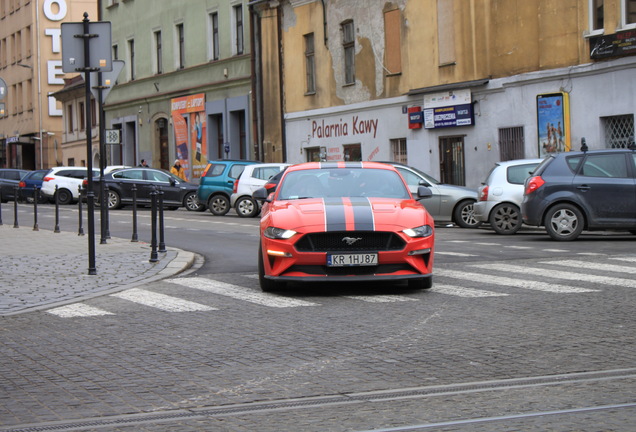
x=246 y=207
x=191 y=202
x=505 y=219
x=464 y=215
x=564 y=222
x=219 y=205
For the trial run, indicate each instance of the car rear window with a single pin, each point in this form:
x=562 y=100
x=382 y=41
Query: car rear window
x=518 y=174
x=236 y=171
x=215 y=170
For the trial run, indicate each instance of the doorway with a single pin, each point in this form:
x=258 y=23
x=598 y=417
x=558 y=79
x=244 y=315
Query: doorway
x=451 y=160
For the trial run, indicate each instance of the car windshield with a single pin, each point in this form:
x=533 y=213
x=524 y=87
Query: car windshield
x=342 y=182
x=428 y=178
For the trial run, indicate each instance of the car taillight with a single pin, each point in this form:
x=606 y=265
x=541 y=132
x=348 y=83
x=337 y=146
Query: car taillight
x=48 y=178
x=483 y=193
x=205 y=171
x=532 y=184
x=235 y=188
x=22 y=184
x=85 y=183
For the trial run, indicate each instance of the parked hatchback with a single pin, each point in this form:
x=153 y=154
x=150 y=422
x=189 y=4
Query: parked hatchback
x=576 y=191
x=449 y=203
x=9 y=179
x=500 y=196
x=253 y=177
x=28 y=184
x=217 y=183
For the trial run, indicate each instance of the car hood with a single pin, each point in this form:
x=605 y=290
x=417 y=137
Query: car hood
x=348 y=214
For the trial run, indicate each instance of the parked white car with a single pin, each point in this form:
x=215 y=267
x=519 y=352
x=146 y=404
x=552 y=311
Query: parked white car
x=68 y=180
x=253 y=177
x=500 y=196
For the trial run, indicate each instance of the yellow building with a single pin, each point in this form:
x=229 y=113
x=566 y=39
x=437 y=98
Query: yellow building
x=448 y=86
x=31 y=67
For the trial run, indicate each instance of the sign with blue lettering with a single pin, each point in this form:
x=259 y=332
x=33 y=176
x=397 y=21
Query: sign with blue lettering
x=449 y=116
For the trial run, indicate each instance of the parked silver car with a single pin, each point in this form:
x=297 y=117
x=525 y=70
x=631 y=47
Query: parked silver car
x=500 y=196
x=449 y=203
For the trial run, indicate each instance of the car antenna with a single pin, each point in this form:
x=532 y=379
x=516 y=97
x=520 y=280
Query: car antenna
x=584 y=147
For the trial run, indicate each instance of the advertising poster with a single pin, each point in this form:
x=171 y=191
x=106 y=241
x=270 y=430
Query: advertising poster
x=553 y=122
x=188 y=119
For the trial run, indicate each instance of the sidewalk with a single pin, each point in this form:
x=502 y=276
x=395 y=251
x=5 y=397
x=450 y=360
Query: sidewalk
x=42 y=269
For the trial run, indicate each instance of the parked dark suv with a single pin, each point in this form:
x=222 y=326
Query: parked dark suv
x=217 y=183
x=575 y=191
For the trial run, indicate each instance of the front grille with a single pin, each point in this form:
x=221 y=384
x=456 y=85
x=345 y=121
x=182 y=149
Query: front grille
x=365 y=241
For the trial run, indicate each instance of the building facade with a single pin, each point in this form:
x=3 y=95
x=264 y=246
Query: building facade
x=31 y=67
x=448 y=86
x=185 y=91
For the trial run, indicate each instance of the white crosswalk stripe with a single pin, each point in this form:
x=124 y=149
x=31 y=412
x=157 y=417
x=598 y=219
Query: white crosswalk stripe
x=558 y=274
x=381 y=298
x=506 y=281
x=240 y=293
x=161 y=301
x=587 y=265
x=459 y=254
x=627 y=259
x=78 y=310
x=464 y=292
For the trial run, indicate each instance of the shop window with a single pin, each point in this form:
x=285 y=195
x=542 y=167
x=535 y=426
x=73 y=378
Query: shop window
x=619 y=131
x=352 y=153
x=511 y=143
x=398 y=150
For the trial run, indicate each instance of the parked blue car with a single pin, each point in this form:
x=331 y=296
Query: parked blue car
x=29 y=182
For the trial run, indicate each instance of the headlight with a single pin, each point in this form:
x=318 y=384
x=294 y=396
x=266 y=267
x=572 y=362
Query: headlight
x=278 y=233
x=421 y=231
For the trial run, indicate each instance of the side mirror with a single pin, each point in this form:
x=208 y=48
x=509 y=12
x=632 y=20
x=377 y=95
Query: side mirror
x=173 y=182
x=261 y=194
x=424 y=192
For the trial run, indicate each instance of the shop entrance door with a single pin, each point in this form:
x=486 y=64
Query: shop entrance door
x=451 y=160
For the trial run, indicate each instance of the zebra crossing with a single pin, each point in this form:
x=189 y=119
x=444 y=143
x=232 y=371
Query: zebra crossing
x=502 y=279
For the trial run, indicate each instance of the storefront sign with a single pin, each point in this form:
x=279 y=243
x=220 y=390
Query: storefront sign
x=416 y=117
x=343 y=128
x=448 y=98
x=188 y=119
x=613 y=45
x=553 y=122
x=450 y=116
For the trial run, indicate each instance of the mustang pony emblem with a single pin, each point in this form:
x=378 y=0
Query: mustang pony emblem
x=351 y=240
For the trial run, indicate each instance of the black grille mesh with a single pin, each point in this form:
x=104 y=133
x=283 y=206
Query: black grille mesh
x=365 y=241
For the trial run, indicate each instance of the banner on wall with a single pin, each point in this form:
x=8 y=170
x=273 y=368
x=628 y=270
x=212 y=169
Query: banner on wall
x=553 y=123
x=188 y=120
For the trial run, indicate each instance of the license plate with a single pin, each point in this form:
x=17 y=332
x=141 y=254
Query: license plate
x=349 y=260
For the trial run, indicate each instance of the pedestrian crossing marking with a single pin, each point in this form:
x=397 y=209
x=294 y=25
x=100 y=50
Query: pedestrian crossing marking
x=506 y=281
x=464 y=292
x=161 y=301
x=77 y=310
x=459 y=254
x=587 y=265
x=239 y=293
x=381 y=298
x=627 y=259
x=558 y=274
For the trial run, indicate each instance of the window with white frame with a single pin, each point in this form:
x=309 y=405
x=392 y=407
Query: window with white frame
x=131 y=59
x=596 y=16
x=213 y=36
x=628 y=14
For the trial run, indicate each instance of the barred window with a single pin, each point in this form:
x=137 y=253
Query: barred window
x=398 y=150
x=619 y=131
x=511 y=143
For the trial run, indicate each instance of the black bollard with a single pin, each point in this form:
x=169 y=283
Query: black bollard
x=106 y=212
x=57 y=212
x=0 y=206
x=35 y=209
x=153 y=227
x=80 y=231
x=162 y=243
x=15 y=208
x=134 y=221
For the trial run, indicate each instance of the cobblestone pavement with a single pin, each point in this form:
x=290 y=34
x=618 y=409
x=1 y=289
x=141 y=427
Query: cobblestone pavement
x=43 y=268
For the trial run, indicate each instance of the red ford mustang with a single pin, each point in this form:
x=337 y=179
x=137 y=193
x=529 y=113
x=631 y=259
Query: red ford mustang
x=344 y=221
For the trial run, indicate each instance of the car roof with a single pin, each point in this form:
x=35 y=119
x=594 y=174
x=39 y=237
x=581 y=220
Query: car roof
x=338 y=165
